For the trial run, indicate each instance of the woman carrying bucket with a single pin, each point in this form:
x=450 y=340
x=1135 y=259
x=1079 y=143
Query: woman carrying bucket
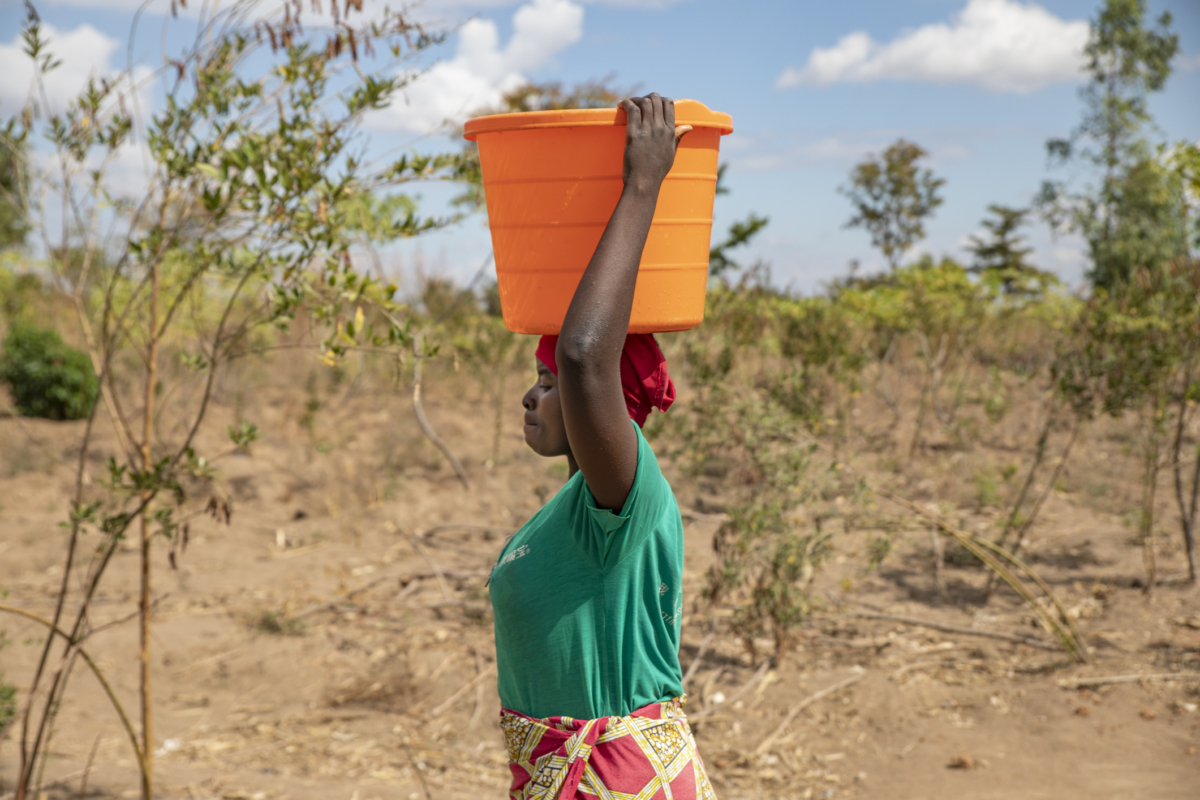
x=587 y=594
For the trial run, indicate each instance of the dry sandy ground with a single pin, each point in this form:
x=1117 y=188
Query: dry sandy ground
x=308 y=649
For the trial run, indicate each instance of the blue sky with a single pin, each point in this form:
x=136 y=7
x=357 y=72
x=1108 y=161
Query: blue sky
x=813 y=87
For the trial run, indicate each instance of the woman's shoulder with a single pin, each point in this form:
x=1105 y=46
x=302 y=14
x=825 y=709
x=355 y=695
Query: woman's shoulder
x=649 y=481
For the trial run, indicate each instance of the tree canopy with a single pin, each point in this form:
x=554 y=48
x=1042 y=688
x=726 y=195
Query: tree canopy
x=892 y=196
x=1129 y=214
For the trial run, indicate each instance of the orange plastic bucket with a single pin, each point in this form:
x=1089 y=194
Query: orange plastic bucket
x=552 y=180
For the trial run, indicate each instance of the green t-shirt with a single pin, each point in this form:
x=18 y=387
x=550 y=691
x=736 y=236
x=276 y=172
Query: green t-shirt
x=588 y=603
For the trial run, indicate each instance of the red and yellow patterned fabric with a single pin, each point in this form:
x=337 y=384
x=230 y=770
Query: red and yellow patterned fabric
x=648 y=755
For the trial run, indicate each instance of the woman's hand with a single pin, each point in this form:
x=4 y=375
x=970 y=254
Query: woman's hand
x=651 y=139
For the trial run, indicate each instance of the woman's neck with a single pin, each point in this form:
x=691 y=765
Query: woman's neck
x=572 y=466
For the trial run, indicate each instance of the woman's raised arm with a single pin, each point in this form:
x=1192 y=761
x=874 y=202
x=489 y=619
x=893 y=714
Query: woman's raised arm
x=602 y=439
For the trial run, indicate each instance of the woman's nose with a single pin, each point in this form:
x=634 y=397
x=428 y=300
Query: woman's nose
x=527 y=401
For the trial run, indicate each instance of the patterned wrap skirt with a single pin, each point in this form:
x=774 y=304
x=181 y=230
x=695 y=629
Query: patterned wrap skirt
x=648 y=755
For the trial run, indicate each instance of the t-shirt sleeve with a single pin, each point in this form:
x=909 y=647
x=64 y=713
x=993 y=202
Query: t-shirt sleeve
x=605 y=537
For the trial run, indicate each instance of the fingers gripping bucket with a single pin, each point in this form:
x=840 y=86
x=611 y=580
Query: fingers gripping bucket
x=552 y=180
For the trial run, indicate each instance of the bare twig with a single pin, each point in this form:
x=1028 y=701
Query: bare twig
x=708 y=637
x=939 y=560
x=700 y=516
x=122 y=620
x=1023 y=528
x=479 y=607
x=205 y=661
x=1049 y=487
x=803 y=704
x=450 y=573
x=480 y=692
x=428 y=535
x=991 y=554
x=466 y=687
x=423 y=421
x=406 y=580
x=733 y=698
x=368 y=587
x=1076 y=683
x=410 y=589
x=1039 y=454
x=433 y=565
x=959 y=629
x=88 y=768
x=112 y=698
x=416 y=769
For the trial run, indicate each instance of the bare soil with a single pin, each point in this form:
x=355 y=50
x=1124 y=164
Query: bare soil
x=308 y=649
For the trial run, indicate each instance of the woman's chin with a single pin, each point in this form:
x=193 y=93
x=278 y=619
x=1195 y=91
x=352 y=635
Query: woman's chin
x=531 y=438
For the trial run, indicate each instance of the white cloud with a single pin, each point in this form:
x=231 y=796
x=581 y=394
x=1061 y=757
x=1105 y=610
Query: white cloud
x=652 y=5
x=774 y=150
x=481 y=71
x=649 y=5
x=1000 y=45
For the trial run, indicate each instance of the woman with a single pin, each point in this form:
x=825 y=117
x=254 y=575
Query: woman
x=587 y=595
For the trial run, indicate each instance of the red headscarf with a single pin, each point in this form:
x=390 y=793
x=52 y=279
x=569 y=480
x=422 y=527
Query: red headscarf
x=644 y=377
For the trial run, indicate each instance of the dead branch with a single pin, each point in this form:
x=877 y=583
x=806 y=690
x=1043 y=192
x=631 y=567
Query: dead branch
x=480 y=692
x=428 y=535
x=1039 y=454
x=700 y=516
x=805 y=703
x=1054 y=476
x=466 y=687
x=451 y=573
x=104 y=684
x=1076 y=683
x=423 y=421
x=416 y=769
x=747 y=686
x=88 y=768
x=480 y=607
x=204 y=661
x=945 y=628
x=990 y=554
x=939 y=561
x=433 y=565
x=405 y=581
x=877 y=644
x=128 y=617
x=687 y=676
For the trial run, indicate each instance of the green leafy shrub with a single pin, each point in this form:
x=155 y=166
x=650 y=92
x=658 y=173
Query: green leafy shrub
x=20 y=293
x=766 y=374
x=48 y=377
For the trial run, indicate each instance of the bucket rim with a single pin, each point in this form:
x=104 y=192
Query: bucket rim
x=687 y=112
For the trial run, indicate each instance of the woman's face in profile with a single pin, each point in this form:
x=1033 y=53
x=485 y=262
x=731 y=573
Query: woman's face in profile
x=545 y=432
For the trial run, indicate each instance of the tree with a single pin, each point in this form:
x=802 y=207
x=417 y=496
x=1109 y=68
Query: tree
x=892 y=196
x=13 y=184
x=1184 y=160
x=257 y=194
x=1001 y=258
x=1130 y=217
